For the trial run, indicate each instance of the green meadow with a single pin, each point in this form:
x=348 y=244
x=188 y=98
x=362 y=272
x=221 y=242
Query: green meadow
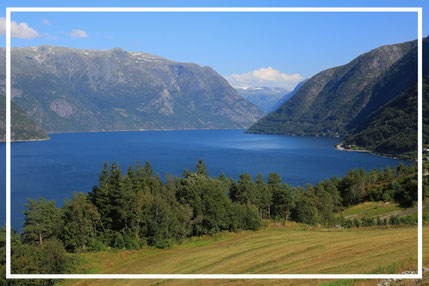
x=292 y=248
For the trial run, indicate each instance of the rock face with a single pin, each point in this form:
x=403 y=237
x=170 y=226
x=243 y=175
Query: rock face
x=22 y=127
x=75 y=90
x=336 y=100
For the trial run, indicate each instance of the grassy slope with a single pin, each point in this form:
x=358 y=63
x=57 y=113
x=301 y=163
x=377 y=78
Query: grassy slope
x=276 y=250
x=384 y=210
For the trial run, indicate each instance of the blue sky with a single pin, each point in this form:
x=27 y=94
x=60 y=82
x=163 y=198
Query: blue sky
x=259 y=48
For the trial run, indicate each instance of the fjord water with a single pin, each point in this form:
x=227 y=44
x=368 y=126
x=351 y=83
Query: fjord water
x=71 y=162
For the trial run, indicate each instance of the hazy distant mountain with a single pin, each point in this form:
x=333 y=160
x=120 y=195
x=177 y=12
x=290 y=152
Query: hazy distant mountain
x=334 y=101
x=22 y=128
x=72 y=90
x=288 y=95
x=263 y=97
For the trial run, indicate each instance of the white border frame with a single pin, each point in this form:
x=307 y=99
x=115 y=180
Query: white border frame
x=9 y=10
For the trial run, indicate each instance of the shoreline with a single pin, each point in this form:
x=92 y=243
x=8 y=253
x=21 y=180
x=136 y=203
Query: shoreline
x=111 y=131
x=144 y=130
x=27 y=140
x=340 y=147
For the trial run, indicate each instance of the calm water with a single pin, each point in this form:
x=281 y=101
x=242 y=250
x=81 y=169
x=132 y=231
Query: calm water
x=72 y=162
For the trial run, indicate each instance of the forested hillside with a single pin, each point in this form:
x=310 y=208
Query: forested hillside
x=393 y=128
x=22 y=127
x=379 y=115
x=327 y=103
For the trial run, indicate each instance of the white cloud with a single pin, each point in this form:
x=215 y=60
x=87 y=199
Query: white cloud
x=264 y=77
x=76 y=33
x=21 y=30
x=46 y=22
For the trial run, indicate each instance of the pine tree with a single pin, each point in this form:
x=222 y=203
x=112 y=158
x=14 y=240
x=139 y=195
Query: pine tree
x=114 y=198
x=42 y=221
x=201 y=168
x=99 y=194
x=128 y=197
x=263 y=195
x=274 y=184
x=80 y=219
x=247 y=192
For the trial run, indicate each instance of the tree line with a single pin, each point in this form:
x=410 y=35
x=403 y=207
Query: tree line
x=138 y=208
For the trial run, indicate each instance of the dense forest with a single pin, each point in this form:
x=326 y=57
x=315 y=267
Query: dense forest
x=138 y=208
x=393 y=128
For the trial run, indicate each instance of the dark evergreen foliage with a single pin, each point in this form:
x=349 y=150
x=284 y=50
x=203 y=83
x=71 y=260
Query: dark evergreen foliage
x=393 y=128
x=138 y=208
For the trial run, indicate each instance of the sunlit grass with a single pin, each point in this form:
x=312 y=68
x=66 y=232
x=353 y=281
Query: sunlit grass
x=373 y=209
x=275 y=249
x=381 y=209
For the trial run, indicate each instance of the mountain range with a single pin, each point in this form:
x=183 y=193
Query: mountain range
x=329 y=102
x=80 y=90
x=266 y=98
x=370 y=101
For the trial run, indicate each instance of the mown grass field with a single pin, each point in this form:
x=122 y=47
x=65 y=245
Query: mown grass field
x=291 y=249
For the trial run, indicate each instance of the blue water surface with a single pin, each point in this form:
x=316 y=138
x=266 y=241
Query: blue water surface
x=72 y=162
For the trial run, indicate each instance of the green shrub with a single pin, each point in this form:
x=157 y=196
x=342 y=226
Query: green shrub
x=131 y=242
x=96 y=244
x=356 y=223
x=119 y=241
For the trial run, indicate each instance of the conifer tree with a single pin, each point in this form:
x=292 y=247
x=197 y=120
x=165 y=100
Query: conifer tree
x=42 y=221
x=201 y=168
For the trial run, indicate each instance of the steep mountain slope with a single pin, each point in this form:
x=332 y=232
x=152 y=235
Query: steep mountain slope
x=264 y=97
x=401 y=76
x=288 y=95
x=392 y=129
x=22 y=127
x=334 y=101
x=72 y=90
